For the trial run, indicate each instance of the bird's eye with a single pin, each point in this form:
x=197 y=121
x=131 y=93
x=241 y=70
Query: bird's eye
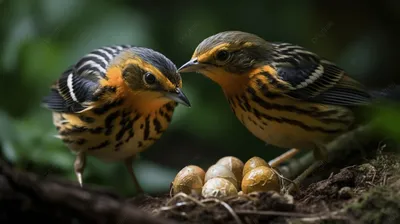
x=222 y=55
x=149 y=78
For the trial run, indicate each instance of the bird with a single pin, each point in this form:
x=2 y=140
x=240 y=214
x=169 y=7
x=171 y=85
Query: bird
x=284 y=94
x=114 y=103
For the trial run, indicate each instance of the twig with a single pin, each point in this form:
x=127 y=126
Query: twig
x=384 y=181
x=228 y=208
x=282 y=183
x=303 y=217
x=183 y=195
x=370 y=183
x=278 y=213
x=171 y=207
x=373 y=177
x=201 y=203
x=326 y=217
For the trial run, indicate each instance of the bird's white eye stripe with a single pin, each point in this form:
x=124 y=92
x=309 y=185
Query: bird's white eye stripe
x=71 y=88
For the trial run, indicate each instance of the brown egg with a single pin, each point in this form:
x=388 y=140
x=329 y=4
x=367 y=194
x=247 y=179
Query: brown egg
x=217 y=170
x=261 y=178
x=190 y=178
x=252 y=163
x=233 y=164
x=218 y=187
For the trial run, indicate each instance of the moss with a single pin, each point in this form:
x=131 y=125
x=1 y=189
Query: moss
x=379 y=205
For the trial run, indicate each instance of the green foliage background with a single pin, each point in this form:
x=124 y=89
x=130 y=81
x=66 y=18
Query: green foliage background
x=40 y=38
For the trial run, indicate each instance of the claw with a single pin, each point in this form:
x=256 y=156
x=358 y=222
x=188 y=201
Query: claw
x=79 y=166
x=79 y=177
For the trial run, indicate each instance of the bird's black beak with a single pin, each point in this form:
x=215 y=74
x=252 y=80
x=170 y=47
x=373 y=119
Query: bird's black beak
x=178 y=96
x=191 y=66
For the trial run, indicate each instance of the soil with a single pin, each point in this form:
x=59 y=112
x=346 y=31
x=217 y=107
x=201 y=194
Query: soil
x=365 y=191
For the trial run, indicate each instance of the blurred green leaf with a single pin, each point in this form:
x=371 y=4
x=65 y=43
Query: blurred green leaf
x=388 y=120
x=7 y=137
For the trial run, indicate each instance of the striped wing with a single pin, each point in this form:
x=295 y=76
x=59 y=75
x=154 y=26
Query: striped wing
x=304 y=75
x=79 y=86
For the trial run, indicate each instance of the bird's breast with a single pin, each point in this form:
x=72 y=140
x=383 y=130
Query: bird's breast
x=285 y=122
x=112 y=132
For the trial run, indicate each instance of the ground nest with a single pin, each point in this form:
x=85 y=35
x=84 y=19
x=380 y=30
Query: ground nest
x=368 y=192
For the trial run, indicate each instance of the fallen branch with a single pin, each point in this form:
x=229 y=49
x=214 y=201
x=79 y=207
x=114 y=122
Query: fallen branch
x=27 y=197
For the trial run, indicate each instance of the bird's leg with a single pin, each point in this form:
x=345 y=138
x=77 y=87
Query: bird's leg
x=128 y=164
x=320 y=155
x=79 y=166
x=283 y=157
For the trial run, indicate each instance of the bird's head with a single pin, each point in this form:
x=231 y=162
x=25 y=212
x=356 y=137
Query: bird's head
x=228 y=55
x=150 y=75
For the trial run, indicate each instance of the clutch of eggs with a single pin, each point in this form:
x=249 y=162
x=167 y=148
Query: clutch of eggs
x=227 y=177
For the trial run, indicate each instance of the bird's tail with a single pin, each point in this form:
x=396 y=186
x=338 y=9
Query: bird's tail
x=390 y=93
x=380 y=97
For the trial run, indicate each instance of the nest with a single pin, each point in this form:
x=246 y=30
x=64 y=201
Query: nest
x=249 y=208
x=256 y=207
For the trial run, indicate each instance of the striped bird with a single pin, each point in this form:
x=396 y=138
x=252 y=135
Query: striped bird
x=115 y=102
x=282 y=93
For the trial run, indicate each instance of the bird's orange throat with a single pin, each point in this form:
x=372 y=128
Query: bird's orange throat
x=230 y=83
x=147 y=102
x=142 y=101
